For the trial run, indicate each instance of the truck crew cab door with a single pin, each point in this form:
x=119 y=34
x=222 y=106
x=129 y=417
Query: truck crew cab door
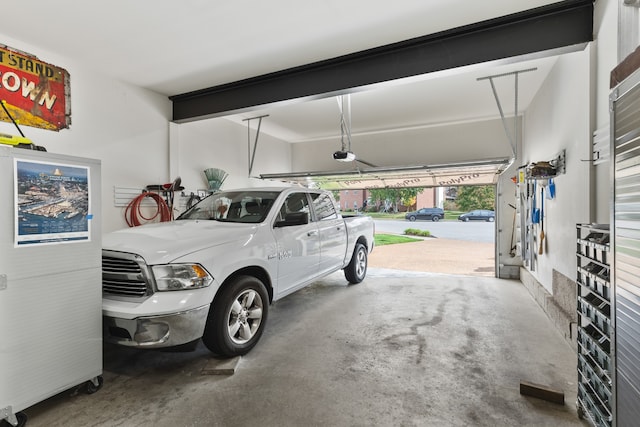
x=298 y=245
x=332 y=230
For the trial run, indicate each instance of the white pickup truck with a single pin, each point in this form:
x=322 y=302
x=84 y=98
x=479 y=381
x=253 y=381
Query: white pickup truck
x=213 y=272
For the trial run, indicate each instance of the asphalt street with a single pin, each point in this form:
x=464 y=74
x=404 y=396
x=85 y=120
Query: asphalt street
x=476 y=231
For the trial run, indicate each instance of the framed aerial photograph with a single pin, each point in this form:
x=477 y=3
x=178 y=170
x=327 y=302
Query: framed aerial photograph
x=51 y=203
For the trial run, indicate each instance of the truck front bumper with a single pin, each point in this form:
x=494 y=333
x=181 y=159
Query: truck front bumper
x=168 y=330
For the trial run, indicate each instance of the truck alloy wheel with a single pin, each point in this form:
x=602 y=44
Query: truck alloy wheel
x=237 y=317
x=357 y=268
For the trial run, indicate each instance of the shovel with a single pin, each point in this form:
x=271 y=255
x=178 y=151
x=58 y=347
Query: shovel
x=541 y=220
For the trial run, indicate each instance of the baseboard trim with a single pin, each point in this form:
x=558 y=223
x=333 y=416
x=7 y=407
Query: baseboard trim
x=563 y=319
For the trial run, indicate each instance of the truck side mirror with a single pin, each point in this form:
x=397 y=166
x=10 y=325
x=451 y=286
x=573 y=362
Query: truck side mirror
x=293 y=218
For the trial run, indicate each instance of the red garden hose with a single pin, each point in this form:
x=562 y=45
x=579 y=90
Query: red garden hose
x=133 y=215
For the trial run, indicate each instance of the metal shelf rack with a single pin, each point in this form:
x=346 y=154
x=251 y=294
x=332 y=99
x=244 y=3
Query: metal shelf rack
x=594 y=324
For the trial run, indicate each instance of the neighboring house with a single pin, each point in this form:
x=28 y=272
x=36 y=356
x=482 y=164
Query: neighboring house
x=429 y=198
x=352 y=199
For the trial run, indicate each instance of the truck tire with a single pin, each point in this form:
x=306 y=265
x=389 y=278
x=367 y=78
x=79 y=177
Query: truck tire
x=237 y=317
x=357 y=268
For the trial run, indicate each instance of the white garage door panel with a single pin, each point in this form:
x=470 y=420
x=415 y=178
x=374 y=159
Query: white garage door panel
x=473 y=173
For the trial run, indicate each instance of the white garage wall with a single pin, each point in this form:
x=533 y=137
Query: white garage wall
x=560 y=118
x=124 y=126
x=220 y=143
x=128 y=129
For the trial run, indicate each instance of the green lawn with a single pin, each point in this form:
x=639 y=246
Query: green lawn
x=452 y=214
x=391 y=239
x=448 y=215
x=378 y=215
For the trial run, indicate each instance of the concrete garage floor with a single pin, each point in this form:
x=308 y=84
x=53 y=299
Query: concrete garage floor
x=399 y=349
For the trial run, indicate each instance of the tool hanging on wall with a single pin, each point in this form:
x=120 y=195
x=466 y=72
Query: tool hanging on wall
x=551 y=189
x=133 y=213
x=169 y=192
x=17 y=141
x=215 y=178
x=134 y=216
x=193 y=199
x=535 y=212
x=540 y=249
x=514 y=245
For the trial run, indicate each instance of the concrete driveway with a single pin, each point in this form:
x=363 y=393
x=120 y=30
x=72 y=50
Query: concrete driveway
x=437 y=256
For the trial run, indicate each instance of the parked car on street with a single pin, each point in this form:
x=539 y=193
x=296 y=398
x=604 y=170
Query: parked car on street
x=434 y=214
x=478 y=215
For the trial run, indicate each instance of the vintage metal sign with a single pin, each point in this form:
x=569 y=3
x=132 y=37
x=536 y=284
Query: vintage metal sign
x=35 y=93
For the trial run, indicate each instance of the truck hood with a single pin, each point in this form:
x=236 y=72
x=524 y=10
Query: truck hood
x=164 y=242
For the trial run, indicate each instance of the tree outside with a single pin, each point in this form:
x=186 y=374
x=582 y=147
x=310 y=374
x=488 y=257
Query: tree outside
x=395 y=196
x=463 y=198
x=476 y=197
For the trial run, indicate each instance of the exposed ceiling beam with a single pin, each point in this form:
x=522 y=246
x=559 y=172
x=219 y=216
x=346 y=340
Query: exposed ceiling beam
x=562 y=24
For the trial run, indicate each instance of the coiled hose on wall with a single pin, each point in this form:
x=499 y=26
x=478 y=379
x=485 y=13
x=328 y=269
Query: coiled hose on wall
x=134 y=217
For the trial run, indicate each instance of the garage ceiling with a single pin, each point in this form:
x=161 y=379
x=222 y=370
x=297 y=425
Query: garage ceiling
x=178 y=47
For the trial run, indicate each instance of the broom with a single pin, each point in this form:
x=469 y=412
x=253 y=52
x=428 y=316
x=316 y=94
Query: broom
x=215 y=178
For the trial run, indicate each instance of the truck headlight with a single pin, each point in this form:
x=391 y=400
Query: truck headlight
x=177 y=277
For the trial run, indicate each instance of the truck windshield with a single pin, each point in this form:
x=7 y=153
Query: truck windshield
x=233 y=206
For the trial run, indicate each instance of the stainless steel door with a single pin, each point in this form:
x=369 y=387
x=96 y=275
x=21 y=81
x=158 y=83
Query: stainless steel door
x=625 y=107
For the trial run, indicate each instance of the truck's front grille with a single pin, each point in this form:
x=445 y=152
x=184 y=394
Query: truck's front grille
x=124 y=274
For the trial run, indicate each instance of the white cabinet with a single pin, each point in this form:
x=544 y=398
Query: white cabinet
x=50 y=277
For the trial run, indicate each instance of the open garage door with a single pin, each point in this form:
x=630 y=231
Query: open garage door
x=483 y=172
x=495 y=172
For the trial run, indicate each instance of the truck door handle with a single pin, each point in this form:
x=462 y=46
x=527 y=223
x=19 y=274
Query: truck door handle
x=312 y=233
